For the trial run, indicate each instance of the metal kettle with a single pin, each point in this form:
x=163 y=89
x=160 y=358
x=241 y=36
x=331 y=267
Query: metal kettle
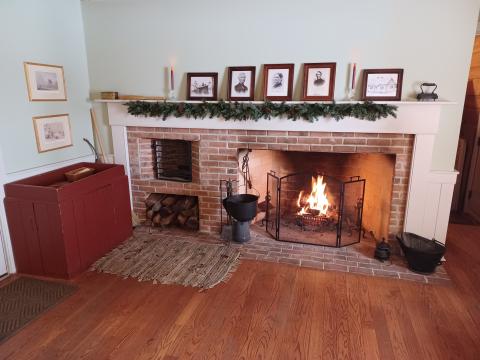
x=382 y=251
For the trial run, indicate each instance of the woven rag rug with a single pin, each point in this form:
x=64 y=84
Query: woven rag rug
x=171 y=261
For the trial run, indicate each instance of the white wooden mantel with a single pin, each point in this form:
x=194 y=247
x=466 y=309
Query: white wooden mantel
x=430 y=192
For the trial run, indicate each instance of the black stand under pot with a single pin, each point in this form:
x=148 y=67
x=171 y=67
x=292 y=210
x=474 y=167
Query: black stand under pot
x=243 y=209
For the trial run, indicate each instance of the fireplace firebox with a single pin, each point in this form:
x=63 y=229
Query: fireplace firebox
x=315 y=208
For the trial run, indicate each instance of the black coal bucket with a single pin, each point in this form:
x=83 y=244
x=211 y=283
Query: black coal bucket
x=241 y=207
x=423 y=255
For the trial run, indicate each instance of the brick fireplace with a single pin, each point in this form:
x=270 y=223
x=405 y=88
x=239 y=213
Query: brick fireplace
x=419 y=198
x=215 y=157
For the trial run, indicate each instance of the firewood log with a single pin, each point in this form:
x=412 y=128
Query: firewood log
x=150 y=214
x=192 y=223
x=153 y=198
x=169 y=201
x=167 y=220
x=179 y=205
x=189 y=202
x=157 y=218
x=190 y=212
x=164 y=212
x=157 y=206
x=182 y=219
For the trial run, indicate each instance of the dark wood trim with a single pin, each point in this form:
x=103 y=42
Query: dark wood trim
x=398 y=95
x=307 y=66
x=251 y=95
x=204 y=74
x=266 y=69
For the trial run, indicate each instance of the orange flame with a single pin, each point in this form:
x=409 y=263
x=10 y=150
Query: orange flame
x=316 y=200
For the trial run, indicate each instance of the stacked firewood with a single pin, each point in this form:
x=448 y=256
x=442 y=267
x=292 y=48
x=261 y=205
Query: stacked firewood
x=168 y=210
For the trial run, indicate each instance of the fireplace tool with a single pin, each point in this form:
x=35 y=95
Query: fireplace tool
x=241 y=208
x=94 y=150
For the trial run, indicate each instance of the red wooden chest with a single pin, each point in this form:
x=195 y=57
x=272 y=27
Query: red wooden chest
x=59 y=229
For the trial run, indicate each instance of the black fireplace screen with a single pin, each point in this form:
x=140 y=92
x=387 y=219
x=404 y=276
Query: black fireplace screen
x=315 y=208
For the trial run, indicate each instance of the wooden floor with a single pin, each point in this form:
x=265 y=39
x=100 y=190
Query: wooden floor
x=270 y=311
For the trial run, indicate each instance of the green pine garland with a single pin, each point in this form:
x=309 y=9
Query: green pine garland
x=266 y=110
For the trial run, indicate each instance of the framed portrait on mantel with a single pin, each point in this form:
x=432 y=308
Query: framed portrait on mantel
x=278 y=82
x=45 y=82
x=382 y=84
x=202 y=86
x=241 y=83
x=318 y=81
x=52 y=132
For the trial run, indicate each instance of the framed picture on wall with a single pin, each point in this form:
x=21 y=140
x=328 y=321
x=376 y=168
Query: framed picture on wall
x=52 y=132
x=318 y=81
x=45 y=82
x=241 y=83
x=278 y=82
x=202 y=86
x=382 y=84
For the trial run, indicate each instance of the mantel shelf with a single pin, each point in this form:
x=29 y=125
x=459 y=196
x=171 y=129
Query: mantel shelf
x=403 y=102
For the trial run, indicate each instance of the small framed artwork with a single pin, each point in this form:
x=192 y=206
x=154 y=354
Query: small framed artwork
x=318 y=81
x=382 y=84
x=52 y=132
x=241 y=83
x=45 y=82
x=278 y=82
x=202 y=86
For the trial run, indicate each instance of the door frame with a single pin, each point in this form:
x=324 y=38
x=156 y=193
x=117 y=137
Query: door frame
x=471 y=174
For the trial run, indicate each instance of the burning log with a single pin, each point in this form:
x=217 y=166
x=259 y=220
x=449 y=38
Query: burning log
x=169 y=210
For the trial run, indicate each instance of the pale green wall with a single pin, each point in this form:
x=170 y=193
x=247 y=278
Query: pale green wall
x=130 y=42
x=51 y=32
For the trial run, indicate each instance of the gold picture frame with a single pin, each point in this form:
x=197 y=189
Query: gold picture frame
x=45 y=82
x=52 y=132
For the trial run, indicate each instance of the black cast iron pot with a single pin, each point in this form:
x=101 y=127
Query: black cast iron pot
x=241 y=207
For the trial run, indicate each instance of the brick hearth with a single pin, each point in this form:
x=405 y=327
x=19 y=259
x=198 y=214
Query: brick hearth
x=215 y=157
x=356 y=259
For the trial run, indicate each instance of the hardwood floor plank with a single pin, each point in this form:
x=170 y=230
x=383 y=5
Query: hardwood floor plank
x=217 y=318
x=264 y=311
x=360 y=317
x=268 y=311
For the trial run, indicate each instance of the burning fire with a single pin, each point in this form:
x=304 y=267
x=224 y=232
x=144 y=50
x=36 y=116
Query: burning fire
x=316 y=200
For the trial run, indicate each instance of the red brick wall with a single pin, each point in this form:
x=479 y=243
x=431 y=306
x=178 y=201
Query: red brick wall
x=215 y=157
